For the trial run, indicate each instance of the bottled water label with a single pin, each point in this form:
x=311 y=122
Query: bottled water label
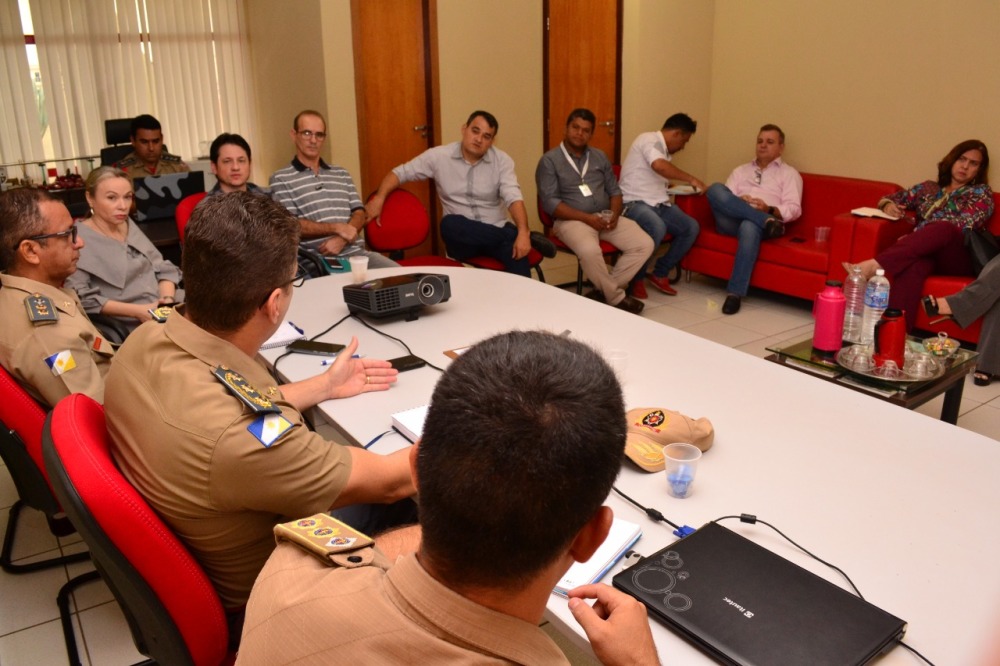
x=877 y=298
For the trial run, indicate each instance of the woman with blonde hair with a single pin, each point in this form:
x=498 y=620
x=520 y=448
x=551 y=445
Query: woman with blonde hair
x=120 y=272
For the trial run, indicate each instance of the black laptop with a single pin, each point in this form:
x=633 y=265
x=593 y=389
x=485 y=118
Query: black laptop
x=156 y=197
x=743 y=604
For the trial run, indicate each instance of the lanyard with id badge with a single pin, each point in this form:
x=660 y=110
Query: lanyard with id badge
x=584 y=188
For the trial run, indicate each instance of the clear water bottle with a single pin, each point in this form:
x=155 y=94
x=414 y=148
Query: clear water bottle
x=876 y=301
x=854 y=294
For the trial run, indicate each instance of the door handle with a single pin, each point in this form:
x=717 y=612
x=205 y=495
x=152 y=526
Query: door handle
x=422 y=129
x=610 y=124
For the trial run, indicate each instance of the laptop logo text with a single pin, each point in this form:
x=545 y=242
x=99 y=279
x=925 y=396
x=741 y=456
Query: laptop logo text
x=747 y=614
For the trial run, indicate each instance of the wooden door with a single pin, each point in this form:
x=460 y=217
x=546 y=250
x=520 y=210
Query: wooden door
x=583 y=69
x=393 y=75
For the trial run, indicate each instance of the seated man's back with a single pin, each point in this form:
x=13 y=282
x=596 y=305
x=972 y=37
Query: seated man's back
x=527 y=409
x=184 y=440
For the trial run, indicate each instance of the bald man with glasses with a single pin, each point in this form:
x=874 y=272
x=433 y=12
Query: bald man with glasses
x=47 y=343
x=322 y=196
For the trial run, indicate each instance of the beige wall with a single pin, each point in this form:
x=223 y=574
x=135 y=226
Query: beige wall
x=302 y=58
x=666 y=68
x=491 y=58
x=876 y=90
x=282 y=90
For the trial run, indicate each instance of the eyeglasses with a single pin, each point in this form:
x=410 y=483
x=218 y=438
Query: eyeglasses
x=308 y=134
x=757 y=174
x=73 y=232
x=297 y=281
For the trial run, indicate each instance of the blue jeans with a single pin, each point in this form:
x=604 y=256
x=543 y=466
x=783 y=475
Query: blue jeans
x=464 y=238
x=735 y=217
x=657 y=221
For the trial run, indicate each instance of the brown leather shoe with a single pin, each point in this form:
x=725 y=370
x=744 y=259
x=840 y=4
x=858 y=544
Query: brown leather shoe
x=629 y=304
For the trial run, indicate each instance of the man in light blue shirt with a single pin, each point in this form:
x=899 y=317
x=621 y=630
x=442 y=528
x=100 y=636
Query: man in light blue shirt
x=480 y=195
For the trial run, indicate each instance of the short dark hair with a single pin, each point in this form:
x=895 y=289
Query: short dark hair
x=224 y=139
x=522 y=442
x=20 y=218
x=945 y=165
x=144 y=121
x=682 y=122
x=582 y=114
x=307 y=112
x=238 y=248
x=771 y=127
x=491 y=120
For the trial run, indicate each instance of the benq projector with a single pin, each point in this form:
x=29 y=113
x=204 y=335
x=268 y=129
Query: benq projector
x=397 y=295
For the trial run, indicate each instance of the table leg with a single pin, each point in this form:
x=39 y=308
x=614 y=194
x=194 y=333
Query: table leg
x=952 y=402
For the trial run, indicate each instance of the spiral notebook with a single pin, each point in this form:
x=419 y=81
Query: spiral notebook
x=285 y=335
x=410 y=424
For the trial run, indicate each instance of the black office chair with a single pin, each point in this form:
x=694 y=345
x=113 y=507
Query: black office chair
x=116 y=133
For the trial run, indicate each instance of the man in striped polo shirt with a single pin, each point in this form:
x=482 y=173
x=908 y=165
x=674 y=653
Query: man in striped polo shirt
x=322 y=196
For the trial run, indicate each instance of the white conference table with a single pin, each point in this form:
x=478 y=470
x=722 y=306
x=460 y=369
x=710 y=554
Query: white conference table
x=902 y=502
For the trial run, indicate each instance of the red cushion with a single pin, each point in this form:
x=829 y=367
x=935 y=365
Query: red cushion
x=23 y=415
x=183 y=212
x=81 y=440
x=403 y=223
x=429 y=260
x=489 y=263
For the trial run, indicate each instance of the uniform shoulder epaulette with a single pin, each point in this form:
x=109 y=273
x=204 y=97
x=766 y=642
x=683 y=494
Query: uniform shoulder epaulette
x=167 y=157
x=333 y=542
x=241 y=388
x=129 y=160
x=40 y=310
x=160 y=314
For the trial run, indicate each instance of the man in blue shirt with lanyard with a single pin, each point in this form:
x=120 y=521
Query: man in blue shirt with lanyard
x=575 y=183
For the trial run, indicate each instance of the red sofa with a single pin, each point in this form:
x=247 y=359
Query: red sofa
x=878 y=234
x=794 y=264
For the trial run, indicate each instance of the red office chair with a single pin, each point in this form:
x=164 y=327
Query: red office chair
x=173 y=611
x=21 y=420
x=607 y=249
x=183 y=212
x=403 y=224
x=489 y=263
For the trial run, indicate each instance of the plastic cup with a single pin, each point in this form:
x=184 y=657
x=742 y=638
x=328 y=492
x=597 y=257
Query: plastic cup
x=822 y=234
x=607 y=215
x=681 y=463
x=359 y=269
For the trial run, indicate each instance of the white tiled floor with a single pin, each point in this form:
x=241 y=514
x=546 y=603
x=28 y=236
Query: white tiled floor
x=30 y=632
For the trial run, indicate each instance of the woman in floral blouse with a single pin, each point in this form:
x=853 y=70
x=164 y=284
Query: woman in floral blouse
x=959 y=201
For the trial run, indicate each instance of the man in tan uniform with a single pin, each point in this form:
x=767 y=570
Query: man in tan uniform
x=46 y=342
x=148 y=158
x=202 y=429
x=505 y=511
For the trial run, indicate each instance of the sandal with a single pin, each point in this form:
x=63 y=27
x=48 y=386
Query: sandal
x=930 y=305
x=980 y=378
